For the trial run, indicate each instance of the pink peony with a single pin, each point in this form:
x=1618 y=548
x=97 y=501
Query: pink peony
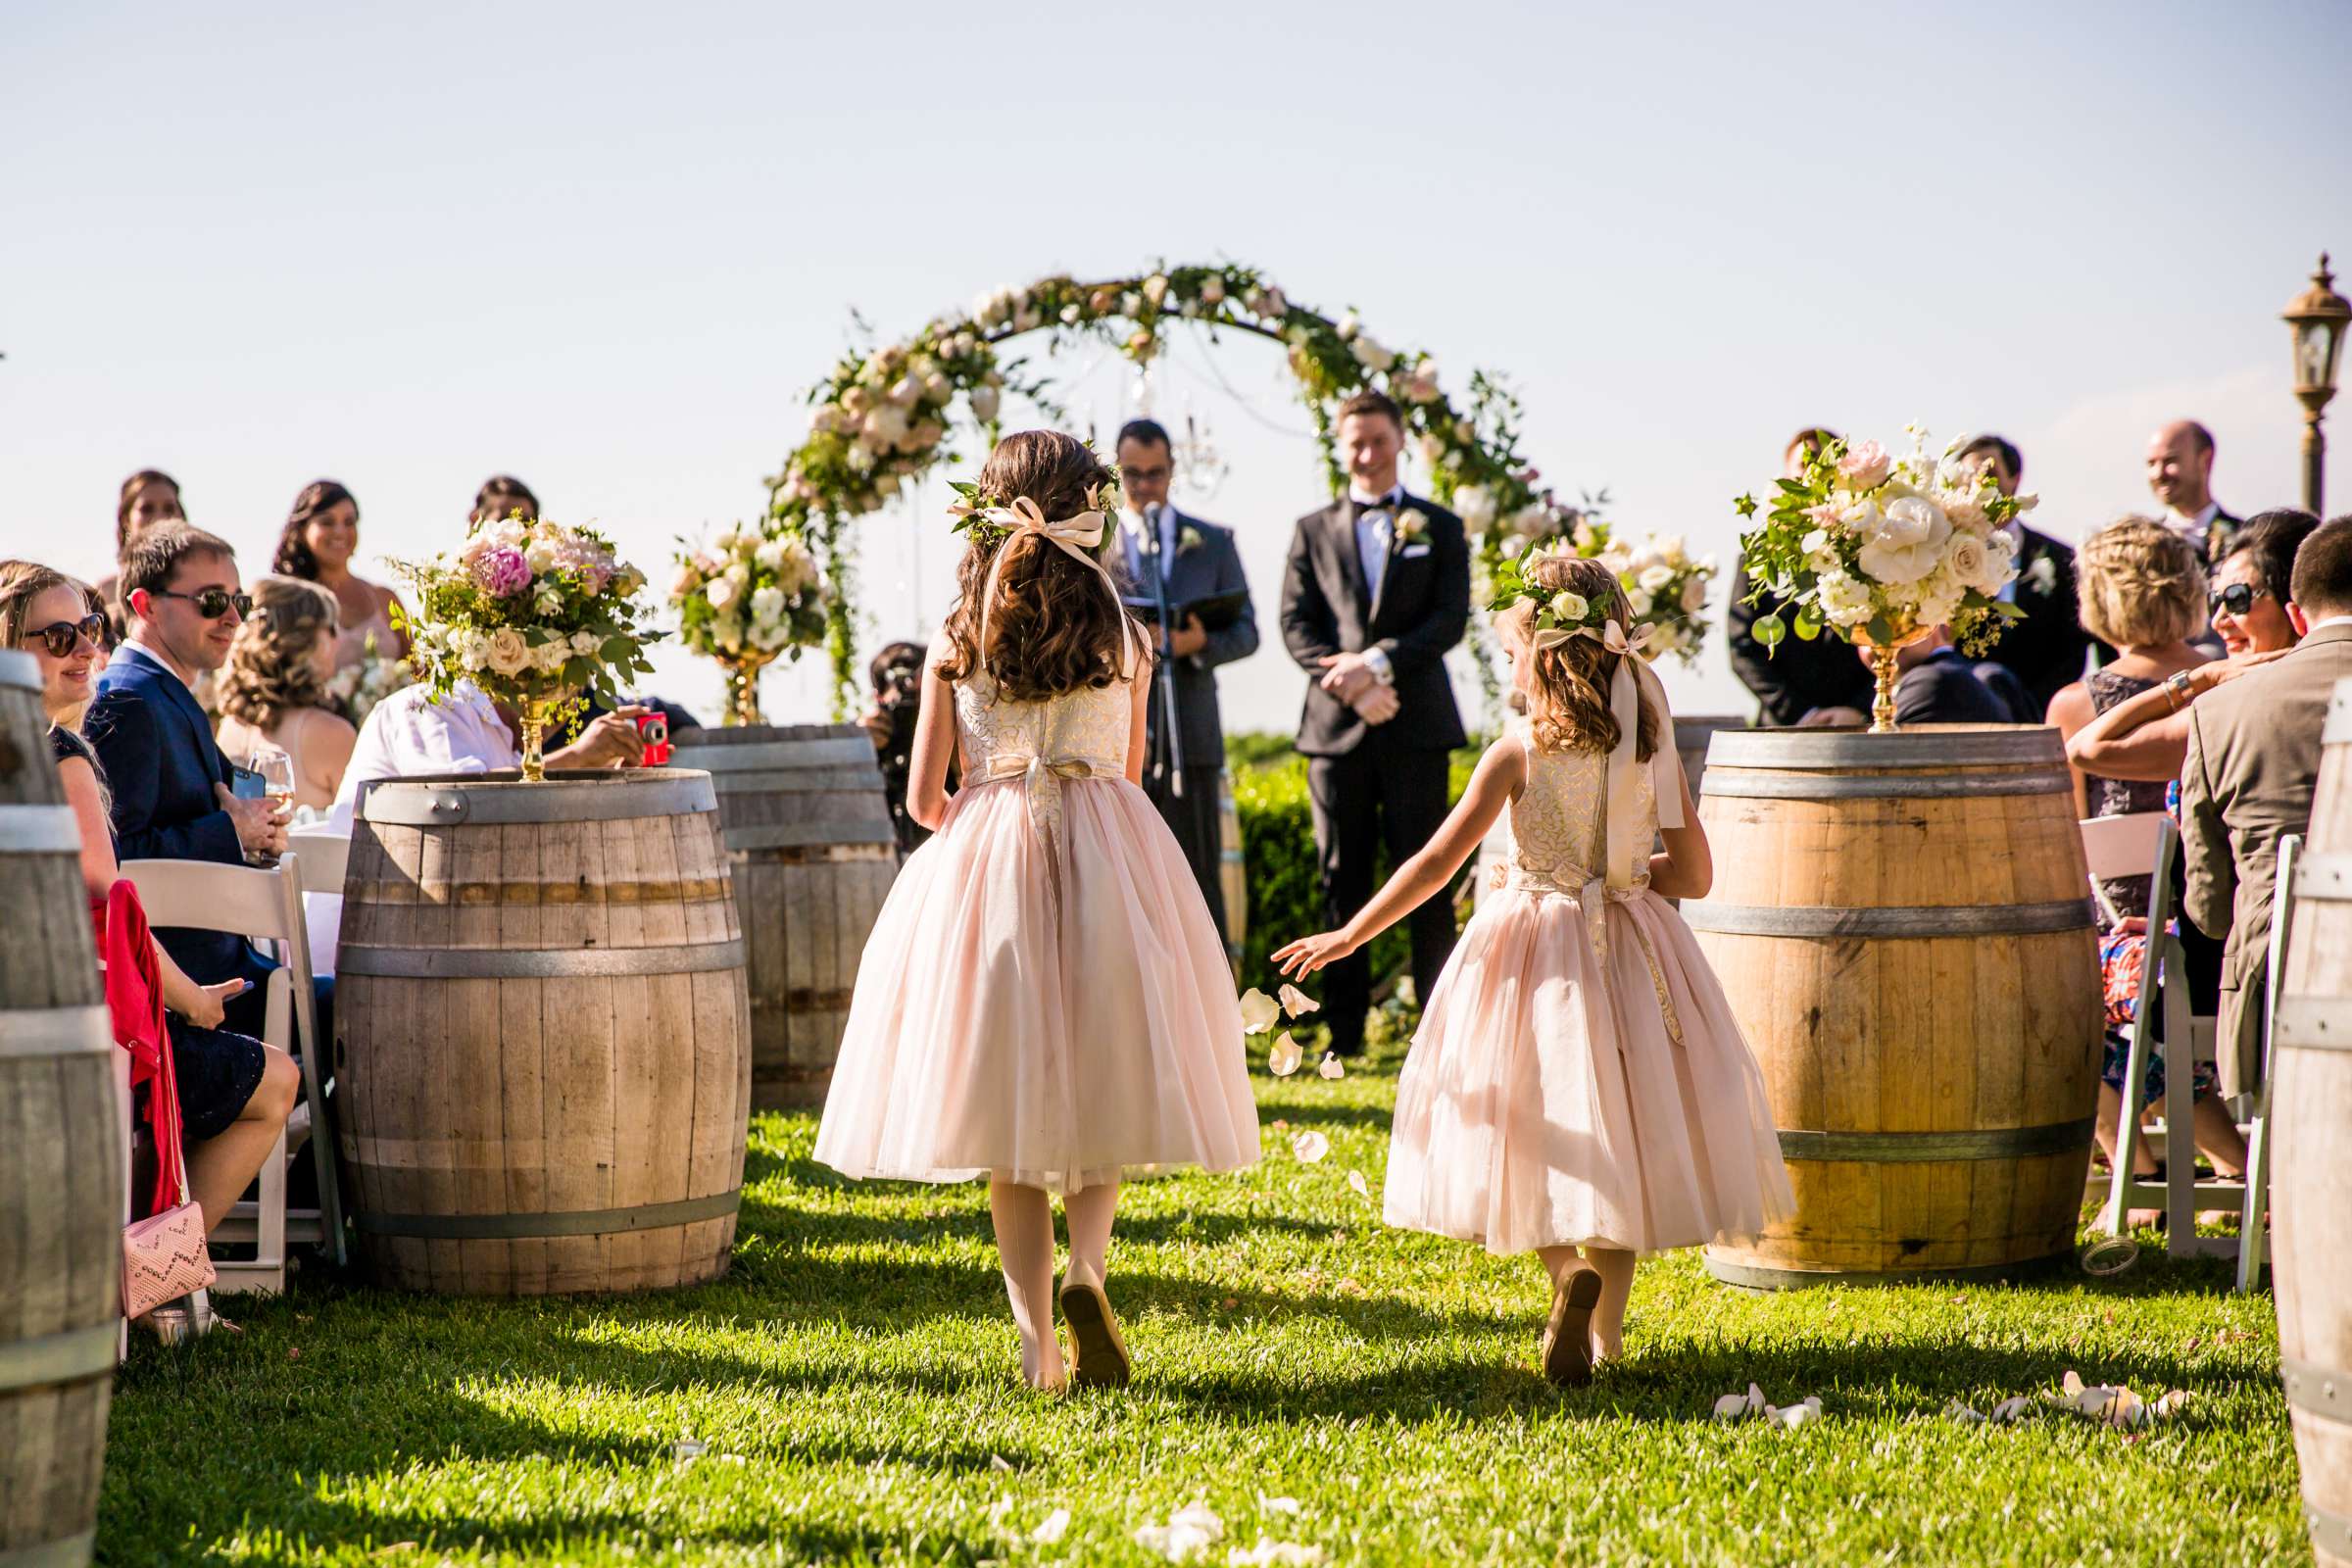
x=1865 y=466
x=500 y=571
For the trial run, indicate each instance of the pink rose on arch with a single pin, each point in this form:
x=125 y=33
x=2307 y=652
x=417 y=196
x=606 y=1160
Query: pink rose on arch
x=500 y=571
x=1865 y=466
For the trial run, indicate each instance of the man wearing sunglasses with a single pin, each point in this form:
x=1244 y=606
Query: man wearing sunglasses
x=173 y=795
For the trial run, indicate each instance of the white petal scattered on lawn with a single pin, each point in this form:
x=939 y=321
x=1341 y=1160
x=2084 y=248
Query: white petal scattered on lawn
x=1189 y=1531
x=1362 y=1188
x=1731 y=1407
x=1795 y=1415
x=2016 y=1410
x=1333 y=1066
x=1270 y=1551
x=997 y=1461
x=1284 y=1055
x=1260 y=1012
x=1310 y=1147
x=1753 y=1405
x=1964 y=1414
x=688 y=1449
x=1289 y=1506
x=1051 y=1527
x=997 y=1510
x=2171 y=1403
x=1755 y=1400
x=1298 y=1002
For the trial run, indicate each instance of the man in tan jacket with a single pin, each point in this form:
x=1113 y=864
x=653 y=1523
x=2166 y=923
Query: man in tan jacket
x=2253 y=763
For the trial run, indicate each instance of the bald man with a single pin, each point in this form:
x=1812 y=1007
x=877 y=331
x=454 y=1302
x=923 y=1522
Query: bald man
x=2180 y=475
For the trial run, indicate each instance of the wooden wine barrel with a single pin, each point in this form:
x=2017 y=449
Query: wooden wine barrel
x=2311 y=1108
x=809 y=835
x=542 y=1032
x=1233 y=871
x=61 y=1159
x=1903 y=927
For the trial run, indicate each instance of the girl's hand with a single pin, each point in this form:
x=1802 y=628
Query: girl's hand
x=205 y=1009
x=1309 y=954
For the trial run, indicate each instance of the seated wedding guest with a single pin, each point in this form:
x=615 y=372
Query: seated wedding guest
x=409 y=734
x=321 y=536
x=149 y=497
x=2046 y=649
x=1797 y=676
x=501 y=495
x=234 y=1091
x=2253 y=761
x=1938 y=685
x=2142 y=593
x=171 y=782
x=2145 y=736
x=273 y=690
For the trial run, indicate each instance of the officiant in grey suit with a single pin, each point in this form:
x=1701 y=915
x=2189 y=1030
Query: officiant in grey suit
x=1169 y=559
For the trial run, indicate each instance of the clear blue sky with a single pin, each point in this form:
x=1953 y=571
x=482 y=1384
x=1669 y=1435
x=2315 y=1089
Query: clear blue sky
x=607 y=247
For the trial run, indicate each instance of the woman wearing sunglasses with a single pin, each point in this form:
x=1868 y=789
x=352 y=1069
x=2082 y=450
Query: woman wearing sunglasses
x=2145 y=737
x=234 y=1091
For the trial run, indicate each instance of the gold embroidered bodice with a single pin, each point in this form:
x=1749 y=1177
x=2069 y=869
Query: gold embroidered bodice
x=1556 y=839
x=1000 y=738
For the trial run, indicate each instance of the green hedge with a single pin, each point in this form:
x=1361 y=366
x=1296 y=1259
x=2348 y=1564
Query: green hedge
x=1278 y=849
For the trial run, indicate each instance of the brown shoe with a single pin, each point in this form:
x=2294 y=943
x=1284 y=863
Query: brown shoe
x=1098 y=1354
x=1568 y=1332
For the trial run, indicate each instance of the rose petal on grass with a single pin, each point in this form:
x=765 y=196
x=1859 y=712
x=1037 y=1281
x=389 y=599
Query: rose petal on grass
x=1310 y=1147
x=1051 y=1527
x=1268 y=1551
x=1284 y=1055
x=1333 y=1067
x=2168 y=1406
x=1260 y=1012
x=1189 y=1531
x=1289 y=1506
x=1731 y=1407
x=2013 y=1409
x=1355 y=1180
x=1296 y=1003
x=1963 y=1415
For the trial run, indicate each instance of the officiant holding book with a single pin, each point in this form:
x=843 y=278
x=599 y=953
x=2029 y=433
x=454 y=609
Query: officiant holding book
x=1183 y=578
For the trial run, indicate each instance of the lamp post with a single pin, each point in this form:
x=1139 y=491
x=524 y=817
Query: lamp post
x=2316 y=316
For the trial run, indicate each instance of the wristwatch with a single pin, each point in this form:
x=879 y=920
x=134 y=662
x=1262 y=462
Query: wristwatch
x=2177 y=683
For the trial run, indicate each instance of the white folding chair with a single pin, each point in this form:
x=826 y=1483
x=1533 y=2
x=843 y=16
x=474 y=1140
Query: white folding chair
x=2143 y=843
x=2253 y=1234
x=265 y=904
x=323 y=852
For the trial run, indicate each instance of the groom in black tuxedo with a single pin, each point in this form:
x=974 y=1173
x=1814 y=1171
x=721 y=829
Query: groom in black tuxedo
x=1377 y=588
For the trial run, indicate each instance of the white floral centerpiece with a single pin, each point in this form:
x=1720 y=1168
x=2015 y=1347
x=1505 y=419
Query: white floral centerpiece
x=535 y=613
x=745 y=599
x=367 y=681
x=1881 y=550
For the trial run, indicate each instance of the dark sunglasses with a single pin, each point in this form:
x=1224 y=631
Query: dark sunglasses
x=62 y=637
x=213 y=603
x=2238 y=599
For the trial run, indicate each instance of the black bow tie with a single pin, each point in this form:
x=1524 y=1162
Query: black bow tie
x=1387 y=503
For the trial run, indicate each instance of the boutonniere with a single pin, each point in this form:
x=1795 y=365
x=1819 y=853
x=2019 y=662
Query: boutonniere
x=2044 y=577
x=1409 y=525
x=1187 y=537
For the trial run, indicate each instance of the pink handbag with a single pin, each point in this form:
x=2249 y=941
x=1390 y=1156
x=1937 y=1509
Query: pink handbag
x=164 y=1259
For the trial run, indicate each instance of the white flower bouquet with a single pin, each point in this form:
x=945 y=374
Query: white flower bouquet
x=535 y=613
x=1664 y=584
x=1878 y=550
x=367 y=681
x=744 y=598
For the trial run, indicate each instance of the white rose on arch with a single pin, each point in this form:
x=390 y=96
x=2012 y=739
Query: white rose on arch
x=1655 y=576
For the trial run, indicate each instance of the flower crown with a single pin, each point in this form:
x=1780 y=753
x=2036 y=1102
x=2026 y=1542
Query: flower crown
x=1563 y=612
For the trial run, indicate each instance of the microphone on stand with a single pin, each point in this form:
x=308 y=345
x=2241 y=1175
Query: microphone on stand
x=1170 y=753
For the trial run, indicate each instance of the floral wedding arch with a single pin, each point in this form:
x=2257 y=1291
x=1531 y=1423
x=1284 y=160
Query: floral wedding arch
x=887 y=417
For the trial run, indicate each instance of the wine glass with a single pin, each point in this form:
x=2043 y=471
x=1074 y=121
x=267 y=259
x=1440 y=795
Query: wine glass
x=276 y=771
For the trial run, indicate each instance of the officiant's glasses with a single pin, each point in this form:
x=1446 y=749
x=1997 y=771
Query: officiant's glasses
x=213 y=603
x=62 y=637
x=2238 y=599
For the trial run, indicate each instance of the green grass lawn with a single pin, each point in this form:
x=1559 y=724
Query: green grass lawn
x=853 y=1380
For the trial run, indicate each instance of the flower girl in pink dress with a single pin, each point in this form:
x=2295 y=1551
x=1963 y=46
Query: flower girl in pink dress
x=1578 y=1080
x=1043 y=998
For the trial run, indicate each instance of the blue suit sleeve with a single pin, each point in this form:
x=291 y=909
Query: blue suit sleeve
x=120 y=728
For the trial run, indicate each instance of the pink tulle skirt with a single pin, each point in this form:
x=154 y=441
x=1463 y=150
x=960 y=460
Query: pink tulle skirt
x=1045 y=1010
x=1546 y=1102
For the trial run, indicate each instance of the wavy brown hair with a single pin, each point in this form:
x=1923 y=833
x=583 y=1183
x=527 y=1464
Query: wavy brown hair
x=134 y=487
x=1053 y=628
x=1571 y=683
x=294 y=557
x=271 y=670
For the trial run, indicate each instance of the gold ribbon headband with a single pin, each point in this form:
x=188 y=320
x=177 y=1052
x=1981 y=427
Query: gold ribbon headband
x=1078 y=537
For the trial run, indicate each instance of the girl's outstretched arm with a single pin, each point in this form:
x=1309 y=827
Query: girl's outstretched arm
x=1686 y=869
x=934 y=740
x=1500 y=774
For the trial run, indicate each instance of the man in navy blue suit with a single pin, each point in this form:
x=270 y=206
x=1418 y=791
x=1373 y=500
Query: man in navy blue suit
x=170 y=785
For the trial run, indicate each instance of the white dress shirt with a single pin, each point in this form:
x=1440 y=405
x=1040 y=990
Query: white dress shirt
x=2332 y=620
x=2195 y=529
x=1375 y=527
x=1131 y=531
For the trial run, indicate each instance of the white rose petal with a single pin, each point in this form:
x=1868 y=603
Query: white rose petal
x=1332 y=1068
x=1310 y=1147
x=1296 y=1003
x=1357 y=1184
x=1051 y=1527
x=1260 y=1012
x=1284 y=1055
x=1289 y=1506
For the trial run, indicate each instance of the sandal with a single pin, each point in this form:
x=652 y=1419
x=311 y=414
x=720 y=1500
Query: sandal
x=1567 y=1348
x=1098 y=1354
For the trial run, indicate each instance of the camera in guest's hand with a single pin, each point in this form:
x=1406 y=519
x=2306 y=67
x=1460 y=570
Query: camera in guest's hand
x=897 y=674
x=654 y=730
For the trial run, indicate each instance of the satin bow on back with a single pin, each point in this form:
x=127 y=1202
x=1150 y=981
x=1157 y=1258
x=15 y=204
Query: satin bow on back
x=1079 y=537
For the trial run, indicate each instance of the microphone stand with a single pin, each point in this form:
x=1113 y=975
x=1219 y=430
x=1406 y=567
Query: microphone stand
x=1171 y=752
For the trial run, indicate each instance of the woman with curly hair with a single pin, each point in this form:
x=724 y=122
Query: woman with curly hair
x=272 y=692
x=318 y=544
